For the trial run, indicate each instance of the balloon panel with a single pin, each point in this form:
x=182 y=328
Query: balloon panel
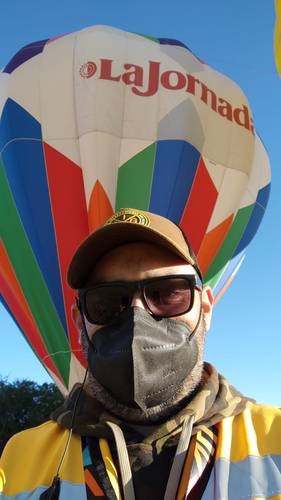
x=25 y=54
x=133 y=174
x=24 y=165
x=69 y=211
x=17 y=306
x=30 y=239
x=100 y=208
x=29 y=275
x=169 y=41
x=174 y=170
x=227 y=276
x=104 y=119
x=195 y=219
x=255 y=219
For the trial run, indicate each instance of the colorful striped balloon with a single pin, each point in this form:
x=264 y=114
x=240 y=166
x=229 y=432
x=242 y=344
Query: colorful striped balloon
x=102 y=119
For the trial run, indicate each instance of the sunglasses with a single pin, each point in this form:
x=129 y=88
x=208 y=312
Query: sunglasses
x=164 y=297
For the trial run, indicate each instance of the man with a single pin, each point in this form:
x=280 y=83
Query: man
x=152 y=420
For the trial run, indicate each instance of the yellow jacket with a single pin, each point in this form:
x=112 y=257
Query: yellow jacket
x=247 y=463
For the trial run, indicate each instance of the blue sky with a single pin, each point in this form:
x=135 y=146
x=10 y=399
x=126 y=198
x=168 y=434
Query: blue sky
x=236 y=38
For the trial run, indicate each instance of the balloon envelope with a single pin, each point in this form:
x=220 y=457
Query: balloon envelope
x=102 y=119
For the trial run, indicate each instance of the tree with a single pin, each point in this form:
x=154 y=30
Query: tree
x=25 y=404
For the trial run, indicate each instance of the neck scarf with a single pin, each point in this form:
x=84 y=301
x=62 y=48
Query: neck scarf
x=215 y=399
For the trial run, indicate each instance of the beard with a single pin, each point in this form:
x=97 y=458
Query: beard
x=161 y=412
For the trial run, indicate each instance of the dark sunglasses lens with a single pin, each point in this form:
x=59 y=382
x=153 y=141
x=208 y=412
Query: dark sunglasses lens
x=104 y=303
x=169 y=297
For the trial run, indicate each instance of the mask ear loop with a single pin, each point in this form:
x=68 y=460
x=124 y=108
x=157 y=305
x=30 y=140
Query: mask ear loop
x=84 y=328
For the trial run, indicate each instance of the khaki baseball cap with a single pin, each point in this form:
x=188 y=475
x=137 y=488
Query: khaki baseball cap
x=127 y=225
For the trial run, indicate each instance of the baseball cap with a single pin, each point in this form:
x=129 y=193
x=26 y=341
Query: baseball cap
x=128 y=225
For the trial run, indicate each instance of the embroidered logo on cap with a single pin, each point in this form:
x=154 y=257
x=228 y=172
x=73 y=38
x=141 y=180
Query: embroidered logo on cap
x=131 y=216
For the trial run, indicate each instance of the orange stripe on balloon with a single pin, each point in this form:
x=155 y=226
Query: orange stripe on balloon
x=100 y=208
x=13 y=295
x=70 y=218
x=212 y=243
x=217 y=298
x=92 y=484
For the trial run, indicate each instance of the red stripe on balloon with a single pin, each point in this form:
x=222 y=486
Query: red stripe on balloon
x=58 y=37
x=69 y=209
x=212 y=243
x=100 y=208
x=13 y=295
x=199 y=207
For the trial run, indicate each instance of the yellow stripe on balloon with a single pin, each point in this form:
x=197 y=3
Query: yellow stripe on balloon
x=277 y=36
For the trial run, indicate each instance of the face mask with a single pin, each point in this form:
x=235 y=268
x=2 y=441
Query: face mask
x=141 y=361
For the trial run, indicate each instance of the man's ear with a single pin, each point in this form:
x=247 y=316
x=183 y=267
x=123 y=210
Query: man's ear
x=207 y=305
x=76 y=316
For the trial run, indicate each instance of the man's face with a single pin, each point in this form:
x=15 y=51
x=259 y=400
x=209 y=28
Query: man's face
x=138 y=261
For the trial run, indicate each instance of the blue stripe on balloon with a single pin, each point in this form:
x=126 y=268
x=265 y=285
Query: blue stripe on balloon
x=175 y=166
x=249 y=232
x=255 y=219
x=12 y=123
x=263 y=196
x=172 y=41
x=27 y=52
x=24 y=164
x=227 y=272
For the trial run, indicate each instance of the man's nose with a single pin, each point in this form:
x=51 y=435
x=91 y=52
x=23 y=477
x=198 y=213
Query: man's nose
x=137 y=300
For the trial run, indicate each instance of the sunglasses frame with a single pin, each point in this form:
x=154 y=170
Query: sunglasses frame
x=139 y=285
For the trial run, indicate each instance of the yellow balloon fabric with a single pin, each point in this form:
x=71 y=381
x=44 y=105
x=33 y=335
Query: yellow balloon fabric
x=2 y=480
x=277 y=36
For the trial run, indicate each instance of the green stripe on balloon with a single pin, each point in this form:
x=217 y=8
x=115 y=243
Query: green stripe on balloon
x=135 y=180
x=31 y=281
x=230 y=243
x=212 y=282
x=152 y=38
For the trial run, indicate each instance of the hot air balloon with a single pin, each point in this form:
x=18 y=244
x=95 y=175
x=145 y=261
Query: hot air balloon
x=102 y=119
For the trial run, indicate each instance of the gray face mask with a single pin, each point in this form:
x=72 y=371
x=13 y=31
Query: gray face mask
x=141 y=361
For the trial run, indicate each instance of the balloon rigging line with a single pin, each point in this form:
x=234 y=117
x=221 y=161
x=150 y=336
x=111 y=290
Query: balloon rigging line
x=16 y=139
x=61 y=352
